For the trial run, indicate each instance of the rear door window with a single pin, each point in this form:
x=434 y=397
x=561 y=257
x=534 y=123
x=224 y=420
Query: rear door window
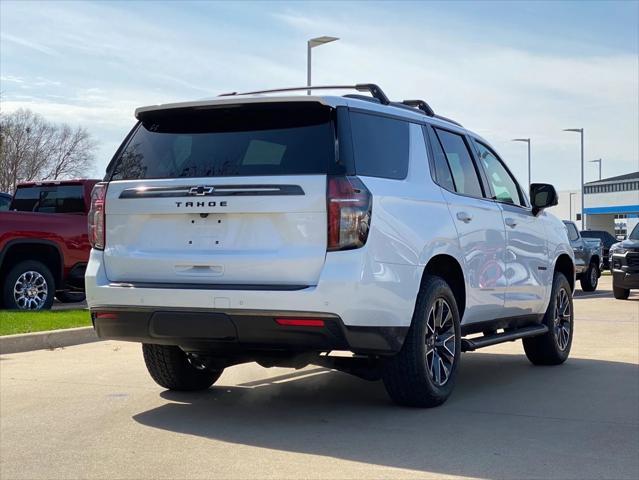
x=49 y=199
x=442 y=170
x=247 y=140
x=460 y=162
x=380 y=145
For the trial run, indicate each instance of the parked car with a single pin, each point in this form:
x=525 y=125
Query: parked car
x=44 y=245
x=607 y=240
x=5 y=200
x=624 y=262
x=279 y=229
x=588 y=258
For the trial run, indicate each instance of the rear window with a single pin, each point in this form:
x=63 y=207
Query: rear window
x=281 y=139
x=380 y=145
x=49 y=199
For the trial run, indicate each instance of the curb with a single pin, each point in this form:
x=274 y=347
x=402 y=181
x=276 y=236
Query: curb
x=25 y=342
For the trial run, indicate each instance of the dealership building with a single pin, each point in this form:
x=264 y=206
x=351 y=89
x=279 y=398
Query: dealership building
x=611 y=204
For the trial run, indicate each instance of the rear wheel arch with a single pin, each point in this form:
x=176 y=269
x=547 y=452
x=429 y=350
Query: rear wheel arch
x=448 y=268
x=43 y=251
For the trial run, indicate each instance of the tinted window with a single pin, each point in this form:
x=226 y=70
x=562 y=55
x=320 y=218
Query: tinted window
x=442 y=171
x=460 y=162
x=606 y=238
x=380 y=145
x=284 y=139
x=49 y=199
x=572 y=232
x=504 y=186
x=4 y=202
x=634 y=235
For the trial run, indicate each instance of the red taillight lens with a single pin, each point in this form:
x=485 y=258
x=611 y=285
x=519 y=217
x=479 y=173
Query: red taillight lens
x=300 y=322
x=349 y=205
x=96 y=216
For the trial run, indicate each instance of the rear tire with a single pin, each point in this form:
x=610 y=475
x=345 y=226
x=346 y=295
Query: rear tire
x=621 y=293
x=590 y=278
x=170 y=367
x=423 y=373
x=29 y=285
x=553 y=347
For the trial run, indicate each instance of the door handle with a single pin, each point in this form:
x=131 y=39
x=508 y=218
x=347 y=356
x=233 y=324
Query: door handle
x=511 y=222
x=464 y=217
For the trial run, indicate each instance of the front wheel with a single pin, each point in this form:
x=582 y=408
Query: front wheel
x=423 y=373
x=590 y=278
x=621 y=293
x=171 y=368
x=553 y=347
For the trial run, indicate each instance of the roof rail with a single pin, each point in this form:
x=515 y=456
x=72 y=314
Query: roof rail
x=420 y=104
x=371 y=88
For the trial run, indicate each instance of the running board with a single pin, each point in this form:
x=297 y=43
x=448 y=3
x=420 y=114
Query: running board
x=468 y=345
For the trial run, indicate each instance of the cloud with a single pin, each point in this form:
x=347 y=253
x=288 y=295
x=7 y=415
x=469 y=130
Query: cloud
x=29 y=44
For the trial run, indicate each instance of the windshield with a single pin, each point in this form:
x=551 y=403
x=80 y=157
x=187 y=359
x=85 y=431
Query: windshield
x=280 y=139
x=634 y=235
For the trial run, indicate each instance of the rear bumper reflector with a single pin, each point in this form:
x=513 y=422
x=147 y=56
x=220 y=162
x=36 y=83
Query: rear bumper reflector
x=300 y=322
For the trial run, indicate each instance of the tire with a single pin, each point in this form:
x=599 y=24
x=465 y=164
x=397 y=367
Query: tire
x=71 y=297
x=553 y=347
x=169 y=366
x=29 y=285
x=590 y=278
x=621 y=293
x=410 y=377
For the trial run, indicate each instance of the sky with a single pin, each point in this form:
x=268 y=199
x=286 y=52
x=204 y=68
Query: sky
x=503 y=69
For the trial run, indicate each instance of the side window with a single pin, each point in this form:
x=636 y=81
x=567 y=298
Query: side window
x=380 y=146
x=572 y=232
x=49 y=199
x=442 y=170
x=504 y=185
x=460 y=162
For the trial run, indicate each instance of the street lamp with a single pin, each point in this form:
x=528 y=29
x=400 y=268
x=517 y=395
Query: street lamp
x=580 y=131
x=527 y=140
x=599 y=162
x=570 y=201
x=312 y=43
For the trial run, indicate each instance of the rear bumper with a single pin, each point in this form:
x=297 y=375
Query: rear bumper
x=241 y=331
x=352 y=287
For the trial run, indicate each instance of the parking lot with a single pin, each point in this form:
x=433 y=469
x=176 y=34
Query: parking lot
x=91 y=411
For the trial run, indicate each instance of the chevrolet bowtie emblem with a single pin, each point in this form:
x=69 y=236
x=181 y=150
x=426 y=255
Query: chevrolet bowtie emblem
x=201 y=190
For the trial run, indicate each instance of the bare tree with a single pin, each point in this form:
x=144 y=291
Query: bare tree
x=32 y=148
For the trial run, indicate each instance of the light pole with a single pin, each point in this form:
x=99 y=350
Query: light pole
x=580 y=131
x=599 y=162
x=527 y=140
x=312 y=43
x=570 y=201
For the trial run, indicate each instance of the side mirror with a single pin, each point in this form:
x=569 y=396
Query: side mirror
x=542 y=195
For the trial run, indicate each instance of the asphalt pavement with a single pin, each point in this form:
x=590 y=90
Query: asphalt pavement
x=92 y=411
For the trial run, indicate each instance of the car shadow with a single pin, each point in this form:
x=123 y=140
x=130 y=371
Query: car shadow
x=503 y=411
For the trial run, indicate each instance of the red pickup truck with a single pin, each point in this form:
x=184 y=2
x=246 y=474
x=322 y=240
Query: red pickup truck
x=44 y=245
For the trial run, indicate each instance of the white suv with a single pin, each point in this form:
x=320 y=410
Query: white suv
x=278 y=229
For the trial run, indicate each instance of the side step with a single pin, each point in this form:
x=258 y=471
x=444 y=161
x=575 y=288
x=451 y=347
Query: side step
x=468 y=345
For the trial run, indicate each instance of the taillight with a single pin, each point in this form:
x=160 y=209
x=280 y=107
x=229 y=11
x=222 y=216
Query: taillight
x=349 y=205
x=96 y=216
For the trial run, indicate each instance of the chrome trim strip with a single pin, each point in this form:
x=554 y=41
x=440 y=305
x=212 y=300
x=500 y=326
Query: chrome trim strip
x=217 y=191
